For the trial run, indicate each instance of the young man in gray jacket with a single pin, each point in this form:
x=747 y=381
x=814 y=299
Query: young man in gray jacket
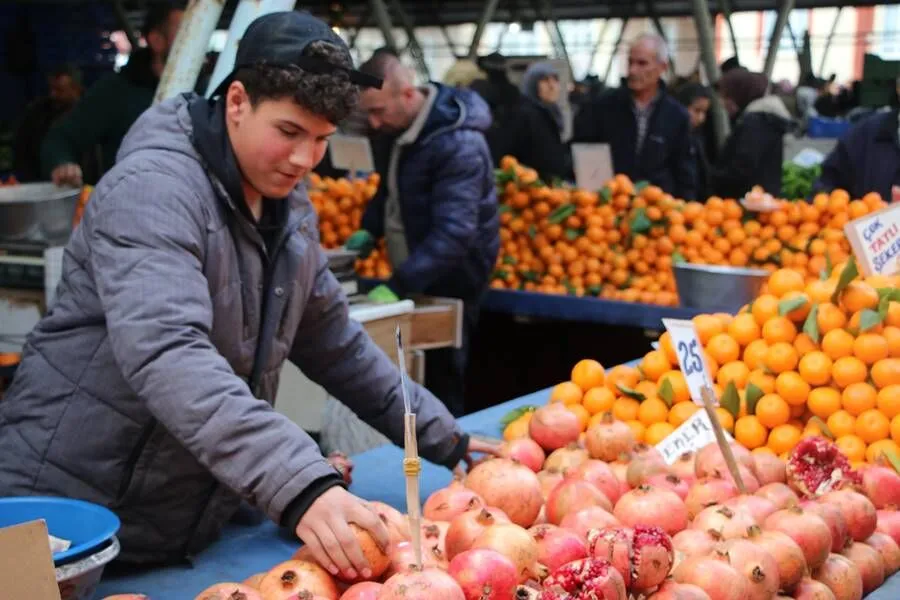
x=195 y=273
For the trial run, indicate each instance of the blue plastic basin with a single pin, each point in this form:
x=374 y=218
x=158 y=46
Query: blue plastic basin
x=88 y=526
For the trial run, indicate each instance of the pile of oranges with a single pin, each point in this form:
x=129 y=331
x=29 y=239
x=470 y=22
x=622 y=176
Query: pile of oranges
x=339 y=204
x=818 y=357
x=620 y=243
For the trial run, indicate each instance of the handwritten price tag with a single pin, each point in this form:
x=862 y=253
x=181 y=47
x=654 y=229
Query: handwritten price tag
x=690 y=356
x=592 y=164
x=875 y=240
x=692 y=435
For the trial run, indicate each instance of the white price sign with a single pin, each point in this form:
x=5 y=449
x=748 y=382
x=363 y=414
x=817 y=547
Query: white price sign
x=691 y=436
x=351 y=152
x=593 y=165
x=690 y=356
x=875 y=239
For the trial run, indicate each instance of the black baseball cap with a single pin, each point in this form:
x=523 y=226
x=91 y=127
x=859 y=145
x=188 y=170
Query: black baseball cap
x=278 y=39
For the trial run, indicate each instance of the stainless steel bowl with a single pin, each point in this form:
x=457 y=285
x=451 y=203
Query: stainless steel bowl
x=717 y=289
x=41 y=211
x=78 y=580
x=341 y=259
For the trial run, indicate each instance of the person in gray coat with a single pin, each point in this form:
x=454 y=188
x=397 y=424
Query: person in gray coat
x=195 y=273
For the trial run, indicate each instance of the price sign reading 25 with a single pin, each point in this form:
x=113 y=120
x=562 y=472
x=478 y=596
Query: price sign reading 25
x=690 y=356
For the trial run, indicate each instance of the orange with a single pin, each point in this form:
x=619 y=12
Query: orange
x=706 y=327
x=837 y=344
x=819 y=291
x=638 y=429
x=858 y=398
x=815 y=368
x=764 y=450
x=870 y=348
x=886 y=372
x=888 y=400
x=647 y=388
x=858 y=296
x=854 y=325
x=652 y=410
x=762 y=380
x=750 y=433
x=876 y=450
x=626 y=409
x=744 y=329
x=793 y=388
x=680 y=390
x=892 y=335
x=627 y=376
x=772 y=410
x=764 y=308
x=657 y=433
x=665 y=344
x=655 y=364
x=725 y=419
x=781 y=357
x=783 y=281
x=588 y=374
x=872 y=426
x=755 y=354
x=779 y=329
x=598 y=400
x=841 y=423
x=824 y=402
x=803 y=344
x=518 y=428
x=895 y=429
x=798 y=314
x=735 y=371
x=681 y=412
x=582 y=413
x=723 y=348
x=783 y=438
x=847 y=370
x=893 y=316
x=829 y=317
x=852 y=446
x=567 y=393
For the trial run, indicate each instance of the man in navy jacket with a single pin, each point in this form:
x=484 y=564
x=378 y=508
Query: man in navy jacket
x=437 y=207
x=648 y=131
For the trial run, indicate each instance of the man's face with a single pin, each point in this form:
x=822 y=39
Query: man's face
x=644 y=67
x=388 y=108
x=160 y=40
x=276 y=143
x=64 y=90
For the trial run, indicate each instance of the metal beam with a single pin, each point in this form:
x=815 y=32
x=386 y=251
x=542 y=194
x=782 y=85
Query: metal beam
x=544 y=11
x=657 y=22
x=596 y=47
x=704 y=24
x=384 y=24
x=189 y=48
x=726 y=13
x=490 y=7
x=415 y=49
x=784 y=12
x=615 y=49
x=834 y=25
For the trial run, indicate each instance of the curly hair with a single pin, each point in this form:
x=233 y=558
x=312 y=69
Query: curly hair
x=329 y=95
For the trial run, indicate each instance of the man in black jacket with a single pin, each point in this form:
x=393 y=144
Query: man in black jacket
x=648 y=131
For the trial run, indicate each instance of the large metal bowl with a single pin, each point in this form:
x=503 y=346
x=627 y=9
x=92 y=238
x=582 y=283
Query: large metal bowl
x=37 y=211
x=717 y=289
x=79 y=580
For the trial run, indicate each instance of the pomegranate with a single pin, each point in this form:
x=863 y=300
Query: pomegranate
x=691 y=542
x=670 y=481
x=641 y=469
x=751 y=484
x=869 y=562
x=841 y=576
x=816 y=466
x=424 y=584
x=643 y=451
x=403 y=558
x=220 y=591
x=807 y=529
x=364 y=590
x=620 y=470
x=889 y=523
x=254 y=580
x=717 y=578
x=517 y=545
x=609 y=438
x=756 y=506
x=643 y=556
x=647 y=505
x=779 y=494
x=708 y=491
x=684 y=466
x=858 y=511
x=548 y=479
x=510 y=486
x=466 y=527
x=834 y=518
x=434 y=535
x=881 y=485
x=586 y=519
x=585 y=579
x=889 y=551
x=378 y=559
x=769 y=468
x=599 y=474
x=554 y=426
x=557 y=546
x=710 y=459
x=787 y=554
x=572 y=495
x=810 y=589
x=446 y=503
x=671 y=590
x=726 y=522
x=755 y=563
x=397 y=523
x=526 y=451
x=295 y=576
x=484 y=575
x=567 y=458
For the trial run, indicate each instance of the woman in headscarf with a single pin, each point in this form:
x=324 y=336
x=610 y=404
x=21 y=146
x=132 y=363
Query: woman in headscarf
x=536 y=135
x=696 y=99
x=754 y=152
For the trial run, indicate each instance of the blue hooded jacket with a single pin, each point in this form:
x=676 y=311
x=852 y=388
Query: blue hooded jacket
x=448 y=201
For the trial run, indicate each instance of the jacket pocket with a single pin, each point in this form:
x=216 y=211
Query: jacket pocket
x=133 y=458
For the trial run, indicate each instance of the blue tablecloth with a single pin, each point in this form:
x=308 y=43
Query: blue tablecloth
x=245 y=550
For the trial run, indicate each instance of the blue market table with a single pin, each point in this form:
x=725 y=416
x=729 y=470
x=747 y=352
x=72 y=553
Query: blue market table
x=245 y=550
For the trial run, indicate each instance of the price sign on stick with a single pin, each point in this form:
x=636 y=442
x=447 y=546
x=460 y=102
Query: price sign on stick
x=593 y=165
x=690 y=436
x=875 y=240
x=709 y=403
x=411 y=462
x=351 y=152
x=690 y=356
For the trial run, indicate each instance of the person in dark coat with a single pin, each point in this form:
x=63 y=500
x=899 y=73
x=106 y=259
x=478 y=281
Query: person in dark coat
x=648 y=131
x=696 y=99
x=536 y=136
x=754 y=152
x=866 y=159
x=437 y=207
x=503 y=99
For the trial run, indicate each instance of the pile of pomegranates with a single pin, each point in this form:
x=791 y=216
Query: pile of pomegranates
x=553 y=519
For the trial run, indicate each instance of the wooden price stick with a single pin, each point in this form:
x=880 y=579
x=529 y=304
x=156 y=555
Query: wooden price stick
x=709 y=403
x=411 y=463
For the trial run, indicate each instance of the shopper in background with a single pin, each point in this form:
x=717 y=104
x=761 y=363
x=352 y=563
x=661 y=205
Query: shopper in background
x=437 y=207
x=503 y=98
x=108 y=109
x=648 y=131
x=696 y=99
x=754 y=152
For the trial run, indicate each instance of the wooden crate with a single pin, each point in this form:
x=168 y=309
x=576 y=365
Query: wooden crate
x=436 y=323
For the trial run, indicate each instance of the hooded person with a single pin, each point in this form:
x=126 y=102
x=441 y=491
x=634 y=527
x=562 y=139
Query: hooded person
x=195 y=273
x=754 y=152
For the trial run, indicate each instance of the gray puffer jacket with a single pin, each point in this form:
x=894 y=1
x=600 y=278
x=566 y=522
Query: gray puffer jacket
x=132 y=391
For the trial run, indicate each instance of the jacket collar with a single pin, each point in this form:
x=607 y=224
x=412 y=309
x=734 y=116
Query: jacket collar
x=415 y=129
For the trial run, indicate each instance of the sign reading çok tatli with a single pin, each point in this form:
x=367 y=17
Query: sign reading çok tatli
x=875 y=239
